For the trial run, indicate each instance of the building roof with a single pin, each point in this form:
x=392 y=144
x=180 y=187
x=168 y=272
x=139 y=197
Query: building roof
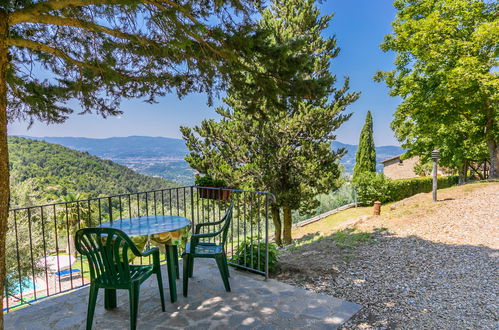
x=389 y=159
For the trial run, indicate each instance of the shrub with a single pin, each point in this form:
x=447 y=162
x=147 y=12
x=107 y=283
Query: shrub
x=373 y=187
x=404 y=188
x=208 y=181
x=247 y=254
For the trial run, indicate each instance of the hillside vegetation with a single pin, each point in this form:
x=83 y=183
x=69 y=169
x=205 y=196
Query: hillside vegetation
x=56 y=171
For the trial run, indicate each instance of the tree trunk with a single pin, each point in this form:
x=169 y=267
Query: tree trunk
x=276 y=218
x=71 y=249
x=492 y=142
x=4 y=154
x=463 y=169
x=287 y=226
x=493 y=147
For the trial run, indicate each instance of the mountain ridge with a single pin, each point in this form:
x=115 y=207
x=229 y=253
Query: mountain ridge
x=163 y=156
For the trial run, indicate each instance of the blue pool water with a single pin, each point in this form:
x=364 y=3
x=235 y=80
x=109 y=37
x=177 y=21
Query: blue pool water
x=27 y=285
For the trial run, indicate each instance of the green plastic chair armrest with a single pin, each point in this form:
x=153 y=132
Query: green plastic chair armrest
x=207 y=235
x=199 y=225
x=152 y=251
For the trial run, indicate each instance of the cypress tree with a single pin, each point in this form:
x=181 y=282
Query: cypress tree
x=365 y=159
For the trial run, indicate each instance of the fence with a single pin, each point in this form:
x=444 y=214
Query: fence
x=41 y=259
x=345 y=195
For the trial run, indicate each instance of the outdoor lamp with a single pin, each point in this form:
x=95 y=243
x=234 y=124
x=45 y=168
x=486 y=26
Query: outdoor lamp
x=435 y=154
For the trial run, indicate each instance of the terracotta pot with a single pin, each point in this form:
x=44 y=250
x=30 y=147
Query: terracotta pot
x=218 y=193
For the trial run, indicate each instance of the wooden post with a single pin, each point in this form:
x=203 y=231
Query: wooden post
x=377 y=208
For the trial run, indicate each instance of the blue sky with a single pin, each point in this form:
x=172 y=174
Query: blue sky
x=359 y=25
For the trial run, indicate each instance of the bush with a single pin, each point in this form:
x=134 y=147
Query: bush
x=247 y=254
x=209 y=181
x=373 y=187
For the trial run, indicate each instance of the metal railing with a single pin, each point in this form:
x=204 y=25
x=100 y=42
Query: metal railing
x=41 y=259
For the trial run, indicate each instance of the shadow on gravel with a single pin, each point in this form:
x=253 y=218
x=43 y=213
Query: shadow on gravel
x=403 y=282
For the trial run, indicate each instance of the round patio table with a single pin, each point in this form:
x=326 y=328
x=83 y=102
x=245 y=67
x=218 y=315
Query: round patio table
x=170 y=230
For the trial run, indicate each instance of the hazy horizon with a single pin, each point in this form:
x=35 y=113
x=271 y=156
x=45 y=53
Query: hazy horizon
x=157 y=136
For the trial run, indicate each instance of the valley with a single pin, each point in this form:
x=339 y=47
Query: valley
x=164 y=157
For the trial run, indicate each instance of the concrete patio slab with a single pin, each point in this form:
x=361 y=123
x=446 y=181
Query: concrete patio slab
x=253 y=304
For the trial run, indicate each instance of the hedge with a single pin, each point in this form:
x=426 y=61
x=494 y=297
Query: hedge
x=375 y=186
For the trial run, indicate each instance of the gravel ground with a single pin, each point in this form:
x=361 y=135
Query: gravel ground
x=434 y=266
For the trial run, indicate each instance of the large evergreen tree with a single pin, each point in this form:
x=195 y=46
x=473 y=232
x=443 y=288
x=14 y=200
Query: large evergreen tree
x=446 y=74
x=99 y=51
x=365 y=159
x=286 y=151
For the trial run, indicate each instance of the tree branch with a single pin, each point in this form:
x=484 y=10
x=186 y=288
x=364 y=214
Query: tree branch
x=90 y=26
x=160 y=6
x=18 y=42
x=39 y=8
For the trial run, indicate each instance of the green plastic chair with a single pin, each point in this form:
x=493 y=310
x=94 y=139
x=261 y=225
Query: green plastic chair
x=197 y=249
x=108 y=252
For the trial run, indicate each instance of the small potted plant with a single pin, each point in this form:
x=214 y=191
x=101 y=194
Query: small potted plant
x=208 y=181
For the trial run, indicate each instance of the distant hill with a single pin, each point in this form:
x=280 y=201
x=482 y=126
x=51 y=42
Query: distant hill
x=124 y=147
x=164 y=157
x=58 y=170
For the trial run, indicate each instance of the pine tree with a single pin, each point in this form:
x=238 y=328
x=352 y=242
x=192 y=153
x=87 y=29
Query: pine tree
x=365 y=159
x=284 y=150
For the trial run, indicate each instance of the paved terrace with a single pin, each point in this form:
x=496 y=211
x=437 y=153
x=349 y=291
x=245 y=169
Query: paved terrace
x=253 y=303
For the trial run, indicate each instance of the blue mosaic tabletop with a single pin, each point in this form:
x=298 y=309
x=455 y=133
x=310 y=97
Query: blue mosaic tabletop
x=149 y=225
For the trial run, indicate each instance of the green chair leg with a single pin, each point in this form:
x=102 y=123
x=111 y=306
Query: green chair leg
x=91 y=305
x=185 y=275
x=221 y=268
x=191 y=266
x=161 y=291
x=109 y=298
x=133 y=293
x=175 y=253
x=226 y=266
x=172 y=275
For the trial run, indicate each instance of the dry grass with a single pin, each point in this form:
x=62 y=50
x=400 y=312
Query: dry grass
x=330 y=224
x=392 y=214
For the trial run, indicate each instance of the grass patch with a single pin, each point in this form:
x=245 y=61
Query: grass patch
x=350 y=238
x=327 y=225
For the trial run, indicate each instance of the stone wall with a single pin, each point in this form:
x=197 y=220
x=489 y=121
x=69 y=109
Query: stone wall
x=397 y=168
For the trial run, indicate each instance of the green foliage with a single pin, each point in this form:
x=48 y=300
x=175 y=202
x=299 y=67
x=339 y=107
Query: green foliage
x=100 y=52
x=208 y=181
x=365 y=160
x=373 y=187
x=404 y=188
x=59 y=171
x=28 y=193
x=248 y=251
x=446 y=74
x=423 y=168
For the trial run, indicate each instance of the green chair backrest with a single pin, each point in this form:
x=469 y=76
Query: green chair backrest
x=227 y=219
x=106 y=250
